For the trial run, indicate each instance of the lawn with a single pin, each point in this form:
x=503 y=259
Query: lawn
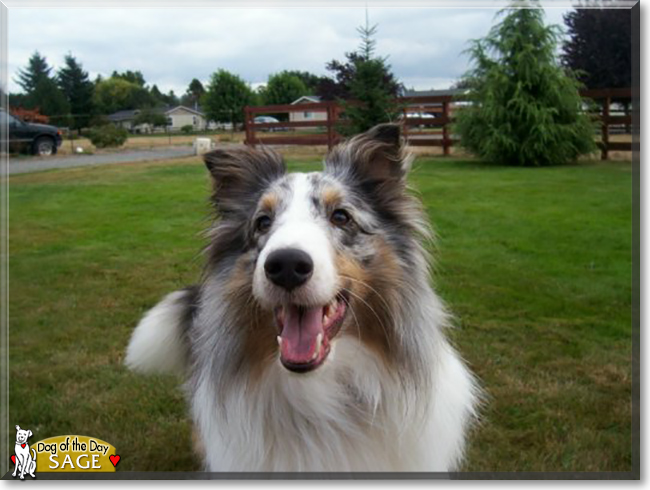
x=534 y=263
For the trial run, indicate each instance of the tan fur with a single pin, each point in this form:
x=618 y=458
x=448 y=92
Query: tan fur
x=331 y=197
x=269 y=201
x=371 y=299
x=260 y=346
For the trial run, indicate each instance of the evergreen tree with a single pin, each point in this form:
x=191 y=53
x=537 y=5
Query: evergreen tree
x=524 y=109
x=78 y=90
x=599 y=46
x=37 y=69
x=226 y=96
x=50 y=101
x=194 y=93
x=371 y=86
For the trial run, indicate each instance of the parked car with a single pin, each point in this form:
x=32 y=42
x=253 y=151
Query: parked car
x=37 y=139
x=267 y=120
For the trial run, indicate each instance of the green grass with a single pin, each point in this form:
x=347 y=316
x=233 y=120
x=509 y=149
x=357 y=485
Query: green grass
x=534 y=263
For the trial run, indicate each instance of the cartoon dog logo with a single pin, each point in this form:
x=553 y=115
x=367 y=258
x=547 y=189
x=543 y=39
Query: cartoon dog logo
x=24 y=461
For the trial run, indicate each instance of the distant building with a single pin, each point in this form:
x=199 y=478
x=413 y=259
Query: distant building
x=177 y=117
x=307 y=115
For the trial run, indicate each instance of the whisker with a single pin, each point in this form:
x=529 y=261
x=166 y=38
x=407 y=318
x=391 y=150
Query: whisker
x=381 y=323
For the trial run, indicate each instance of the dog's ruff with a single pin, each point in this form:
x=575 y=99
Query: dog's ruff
x=385 y=393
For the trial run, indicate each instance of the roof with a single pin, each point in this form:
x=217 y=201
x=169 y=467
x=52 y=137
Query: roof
x=188 y=109
x=125 y=115
x=308 y=99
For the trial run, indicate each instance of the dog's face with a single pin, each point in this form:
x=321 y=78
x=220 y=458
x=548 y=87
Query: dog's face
x=22 y=435
x=314 y=255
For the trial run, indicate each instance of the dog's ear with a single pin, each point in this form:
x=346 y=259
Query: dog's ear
x=240 y=175
x=376 y=161
x=29 y=433
x=18 y=427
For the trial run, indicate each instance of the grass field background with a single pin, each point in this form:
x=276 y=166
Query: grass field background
x=534 y=263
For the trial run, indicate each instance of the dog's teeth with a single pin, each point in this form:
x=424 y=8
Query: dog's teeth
x=279 y=339
x=319 y=341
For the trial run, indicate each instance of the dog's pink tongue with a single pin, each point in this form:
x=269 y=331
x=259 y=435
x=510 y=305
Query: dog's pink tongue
x=301 y=327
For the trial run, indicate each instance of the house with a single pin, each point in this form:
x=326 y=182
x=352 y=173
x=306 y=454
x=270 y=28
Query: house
x=177 y=117
x=307 y=115
x=184 y=116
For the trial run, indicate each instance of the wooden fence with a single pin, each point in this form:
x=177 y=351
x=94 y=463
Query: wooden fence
x=426 y=121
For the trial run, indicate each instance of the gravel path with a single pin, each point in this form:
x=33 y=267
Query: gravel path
x=35 y=164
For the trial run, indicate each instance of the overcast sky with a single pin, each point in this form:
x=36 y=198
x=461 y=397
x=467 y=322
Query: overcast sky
x=171 y=46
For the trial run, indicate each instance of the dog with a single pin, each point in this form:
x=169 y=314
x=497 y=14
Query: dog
x=25 y=462
x=314 y=341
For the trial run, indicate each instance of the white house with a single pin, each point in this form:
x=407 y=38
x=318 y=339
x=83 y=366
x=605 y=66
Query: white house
x=180 y=116
x=307 y=115
x=177 y=117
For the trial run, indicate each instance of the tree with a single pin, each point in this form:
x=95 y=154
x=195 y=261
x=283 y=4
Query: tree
x=115 y=94
x=194 y=92
x=78 y=90
x=37 y=69
x=283 y=88
x=310 y=80
x=226 y=96
x=524 y=109
x=599 y=46
x=339 y=87
x=370 y=84
x=51 y=102
x=135 y=77
x=153 y=118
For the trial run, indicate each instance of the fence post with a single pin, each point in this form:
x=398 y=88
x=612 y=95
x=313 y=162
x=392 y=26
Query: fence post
x=330 y=117
x=405 y=123
x=605 y=128
x=249 y=131
x=445 y=128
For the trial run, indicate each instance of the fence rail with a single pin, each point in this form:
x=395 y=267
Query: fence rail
x=426 y=120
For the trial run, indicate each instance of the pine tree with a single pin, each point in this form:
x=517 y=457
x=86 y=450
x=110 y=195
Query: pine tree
x=37 y=69
x=372 y=87
x=524 y=108
x=77 y=88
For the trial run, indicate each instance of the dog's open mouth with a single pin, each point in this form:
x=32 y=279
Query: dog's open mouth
x=306 y=333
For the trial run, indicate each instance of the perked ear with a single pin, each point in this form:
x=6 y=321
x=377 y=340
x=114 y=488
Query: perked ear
x=29 y=433
x=378 y=156
x=18 y=427
x=239 y=175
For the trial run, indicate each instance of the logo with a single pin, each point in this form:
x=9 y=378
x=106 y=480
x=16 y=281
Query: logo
x=72 y=453
x=24 y=457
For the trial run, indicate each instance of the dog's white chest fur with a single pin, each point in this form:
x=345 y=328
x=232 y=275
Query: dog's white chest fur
x=340 y=418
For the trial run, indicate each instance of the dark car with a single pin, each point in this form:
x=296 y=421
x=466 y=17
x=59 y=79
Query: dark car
x=38 y=139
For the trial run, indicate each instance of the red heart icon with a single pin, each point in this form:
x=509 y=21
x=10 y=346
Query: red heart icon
x=23 y=445
x=13 y=458
x=114 y=459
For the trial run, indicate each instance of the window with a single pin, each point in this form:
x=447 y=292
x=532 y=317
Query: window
x=194 y=121
x=307 y=115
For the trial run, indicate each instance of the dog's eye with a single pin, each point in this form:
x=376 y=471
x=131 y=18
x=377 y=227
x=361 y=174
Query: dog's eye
x=263 y=224
x=340 y=217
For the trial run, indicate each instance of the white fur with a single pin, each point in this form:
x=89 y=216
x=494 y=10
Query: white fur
x=297 y=228
x=156 y=344
x=308 y=421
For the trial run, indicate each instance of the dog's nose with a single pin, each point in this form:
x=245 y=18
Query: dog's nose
x=288 y=268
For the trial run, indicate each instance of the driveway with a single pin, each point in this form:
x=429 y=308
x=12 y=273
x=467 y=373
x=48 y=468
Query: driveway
x=35 y=164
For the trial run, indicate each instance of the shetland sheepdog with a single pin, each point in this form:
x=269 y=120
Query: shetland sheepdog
x=314 y=341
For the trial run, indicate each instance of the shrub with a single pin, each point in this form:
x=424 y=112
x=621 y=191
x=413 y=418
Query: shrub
x=525 y=109
x=187 y=129
x=108 y=136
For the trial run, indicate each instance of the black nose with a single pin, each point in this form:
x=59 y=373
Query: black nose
x=288 y=268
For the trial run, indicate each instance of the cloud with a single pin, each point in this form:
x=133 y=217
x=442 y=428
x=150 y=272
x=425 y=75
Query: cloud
x=172 y=46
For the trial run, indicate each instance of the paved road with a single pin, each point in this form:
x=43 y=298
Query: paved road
x=35 y=164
